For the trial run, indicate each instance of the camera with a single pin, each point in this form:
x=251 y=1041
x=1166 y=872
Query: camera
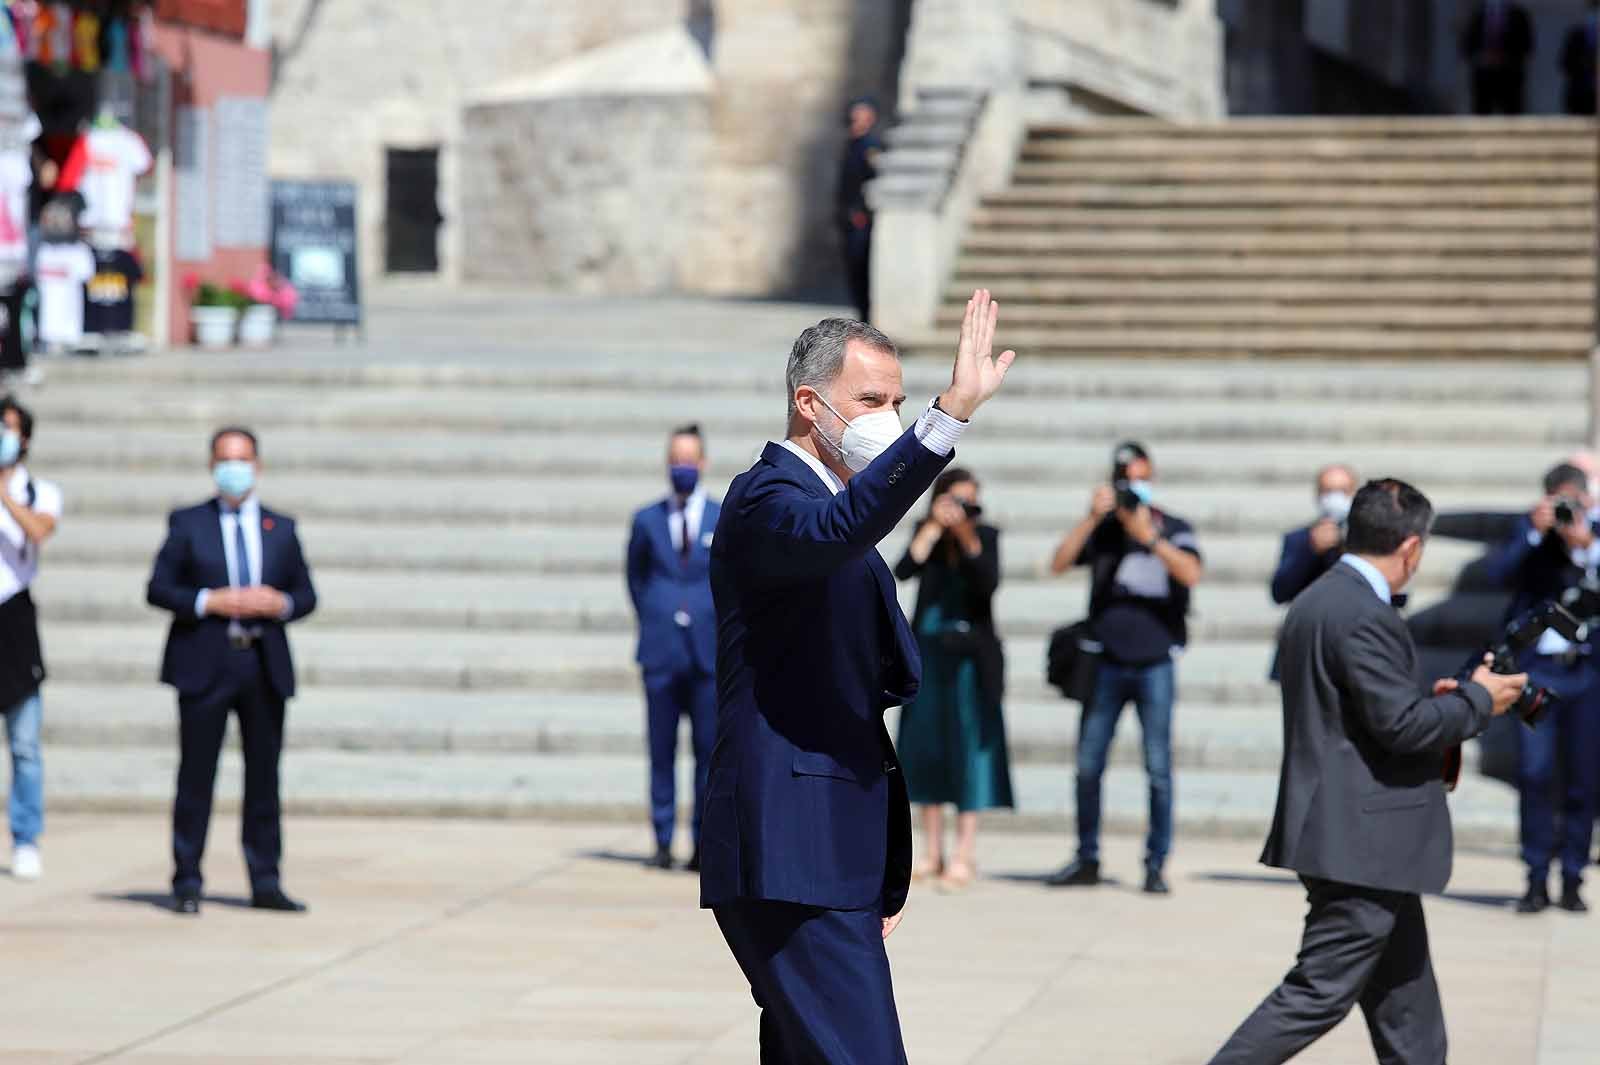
x=1521 y=634
x=1569 y=510
x=973 y=510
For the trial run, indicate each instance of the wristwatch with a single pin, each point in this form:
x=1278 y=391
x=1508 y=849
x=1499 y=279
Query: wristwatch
x=1153 y=543
x=946 y=413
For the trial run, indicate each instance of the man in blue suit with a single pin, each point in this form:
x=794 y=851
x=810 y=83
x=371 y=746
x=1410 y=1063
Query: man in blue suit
x=232 y=575
x=669 y=556
x=806 y=840
x=1555 y=548
x=1311 y=551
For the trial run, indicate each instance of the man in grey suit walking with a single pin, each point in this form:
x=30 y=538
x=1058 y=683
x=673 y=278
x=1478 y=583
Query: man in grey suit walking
x=1361 y=804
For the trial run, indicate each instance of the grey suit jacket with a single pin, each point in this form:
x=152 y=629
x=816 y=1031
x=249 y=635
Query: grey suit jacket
x=1360 y=796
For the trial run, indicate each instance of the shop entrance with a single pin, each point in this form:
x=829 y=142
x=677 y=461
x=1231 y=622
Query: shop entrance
x=411 y=211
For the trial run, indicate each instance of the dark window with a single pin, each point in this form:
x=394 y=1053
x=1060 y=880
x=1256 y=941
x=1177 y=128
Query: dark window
x=411 y=211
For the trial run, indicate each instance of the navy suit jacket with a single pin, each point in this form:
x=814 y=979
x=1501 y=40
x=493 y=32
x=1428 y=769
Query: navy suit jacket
x=1299 y=566
x=193 y=558
x=1532 y=573
x=807 y=803
x=661 y=583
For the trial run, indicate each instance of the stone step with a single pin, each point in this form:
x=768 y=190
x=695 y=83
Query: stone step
x=593 y=787
x=998 y=270
x=1247 y=194
x=1486 y=243
x=1341 y=127
x=427 y=724
x=1287 y=218
x=1526 y=317
x=1323 y=292
x=378 y=602
x=427 y=552
x=1445 y=152
x=65 y=452
x=1498 y=171
x=1567 y=343
x=1218 y=673
x=76 y=387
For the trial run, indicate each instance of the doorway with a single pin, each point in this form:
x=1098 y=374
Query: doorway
x=411 y=211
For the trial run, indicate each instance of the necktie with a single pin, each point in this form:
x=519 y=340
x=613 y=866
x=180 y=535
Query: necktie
x=241 y=554
x=683 y=541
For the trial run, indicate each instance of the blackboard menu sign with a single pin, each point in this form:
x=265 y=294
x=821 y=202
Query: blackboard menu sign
x=314 y=246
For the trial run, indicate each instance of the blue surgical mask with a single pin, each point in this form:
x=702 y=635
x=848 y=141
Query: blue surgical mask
x=235 y=478
x=684 y=478
x=10 y=447
x=1143 y=490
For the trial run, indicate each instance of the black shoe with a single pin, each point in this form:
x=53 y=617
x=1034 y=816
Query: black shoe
x=276 y=900
x=1537 y=900
x=662 y=860
x=1076 y=874
x=1155 y=884
x=693 y=864
x=1571 y=901
x=186 y=903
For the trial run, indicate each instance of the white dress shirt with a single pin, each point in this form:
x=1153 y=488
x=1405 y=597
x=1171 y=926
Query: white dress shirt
x=693 y=510
x=19 y=558
x=249 y=513
x=936 y=430
x=1380 y=583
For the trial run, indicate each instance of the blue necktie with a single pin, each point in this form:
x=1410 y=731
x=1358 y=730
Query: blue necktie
x=241 y=554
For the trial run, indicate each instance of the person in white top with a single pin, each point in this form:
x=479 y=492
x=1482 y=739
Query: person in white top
x=29 y=511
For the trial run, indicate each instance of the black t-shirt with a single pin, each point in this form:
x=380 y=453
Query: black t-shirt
x=855 y=170
x=108 y=295
x=1136 y=609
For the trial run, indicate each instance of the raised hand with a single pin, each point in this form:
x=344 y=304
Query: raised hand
x=978 y=373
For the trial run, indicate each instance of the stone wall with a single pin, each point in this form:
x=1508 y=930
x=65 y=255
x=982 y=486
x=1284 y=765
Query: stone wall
x=356 y=76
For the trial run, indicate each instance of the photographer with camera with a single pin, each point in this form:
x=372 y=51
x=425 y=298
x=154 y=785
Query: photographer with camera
x=1554 y=549
x=1143 y=563
x=1311 y=551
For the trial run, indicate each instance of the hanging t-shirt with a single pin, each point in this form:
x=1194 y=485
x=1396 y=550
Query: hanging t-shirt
x=16 y=180
x=108 y=297
x=60 y=271
x=115 y=156
x=60 y=34
x=86 y=42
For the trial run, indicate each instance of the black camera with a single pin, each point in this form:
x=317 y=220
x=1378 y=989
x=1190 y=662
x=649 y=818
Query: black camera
x=1521 y=634
x=1570 y=510
x=974 y=510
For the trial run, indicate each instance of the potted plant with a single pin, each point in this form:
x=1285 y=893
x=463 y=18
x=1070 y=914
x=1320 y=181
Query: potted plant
x=270 y=297
x=213 y=312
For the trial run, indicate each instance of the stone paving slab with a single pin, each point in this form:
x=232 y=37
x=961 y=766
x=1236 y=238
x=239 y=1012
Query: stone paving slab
x=477 y=943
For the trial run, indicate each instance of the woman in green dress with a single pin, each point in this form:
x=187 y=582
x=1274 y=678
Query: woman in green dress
x=952 y=737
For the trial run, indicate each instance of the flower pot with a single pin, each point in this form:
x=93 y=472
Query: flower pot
x=213 y=326
x=257 y=325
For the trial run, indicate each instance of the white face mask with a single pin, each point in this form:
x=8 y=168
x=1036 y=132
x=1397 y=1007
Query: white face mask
x=865 y=438
x=1335 y=506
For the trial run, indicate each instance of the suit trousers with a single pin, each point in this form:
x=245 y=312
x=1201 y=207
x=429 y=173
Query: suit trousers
x=821 y=978
x=1560 y=762
x=668 y=697
x=1361 y=946
x=242 y=689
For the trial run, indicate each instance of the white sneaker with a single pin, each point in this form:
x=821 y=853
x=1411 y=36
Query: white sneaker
x=26 y=863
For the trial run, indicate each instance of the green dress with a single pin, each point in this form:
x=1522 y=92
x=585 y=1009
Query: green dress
x=952 y=742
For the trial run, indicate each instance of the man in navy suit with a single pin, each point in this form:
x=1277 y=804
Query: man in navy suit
x=232 y=575
x=1312 y=550
x=669 y=556
x=806 y=840
x=1555 y=548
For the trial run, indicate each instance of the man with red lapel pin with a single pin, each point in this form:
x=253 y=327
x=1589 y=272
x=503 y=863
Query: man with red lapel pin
x=232 y=575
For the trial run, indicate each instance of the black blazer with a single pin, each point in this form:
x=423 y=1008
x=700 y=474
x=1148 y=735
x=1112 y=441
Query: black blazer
x=983 y=579
x=1360 y=796
x=193 y=558
x=1517 y=42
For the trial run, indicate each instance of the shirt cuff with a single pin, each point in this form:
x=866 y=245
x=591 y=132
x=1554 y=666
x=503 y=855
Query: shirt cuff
x=938 y=431
x=200 y=602
x=288 y=607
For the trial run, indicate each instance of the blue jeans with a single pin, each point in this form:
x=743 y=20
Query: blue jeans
x=1564 y=750
x=27 y=770
x=1151 y=690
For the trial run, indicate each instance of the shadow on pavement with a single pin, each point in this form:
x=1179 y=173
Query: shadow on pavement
x=162 y=900
x=638 y=858
x=1492 y=900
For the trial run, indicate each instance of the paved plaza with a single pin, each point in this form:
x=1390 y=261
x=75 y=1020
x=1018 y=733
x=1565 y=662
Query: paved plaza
x=470 y=942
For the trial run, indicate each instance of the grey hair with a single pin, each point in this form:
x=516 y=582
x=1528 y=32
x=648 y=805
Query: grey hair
x=818 y=353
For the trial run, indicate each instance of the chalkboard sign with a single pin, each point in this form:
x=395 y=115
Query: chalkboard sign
x=314 y=246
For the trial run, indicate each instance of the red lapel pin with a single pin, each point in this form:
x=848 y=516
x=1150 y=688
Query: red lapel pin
x=266 y=524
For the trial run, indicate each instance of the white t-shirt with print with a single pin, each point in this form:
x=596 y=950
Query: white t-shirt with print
x=61 y=270
x=19 y=559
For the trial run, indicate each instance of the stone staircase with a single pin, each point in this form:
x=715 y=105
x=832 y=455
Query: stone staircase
x=463 y=486
x=1433 y=238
